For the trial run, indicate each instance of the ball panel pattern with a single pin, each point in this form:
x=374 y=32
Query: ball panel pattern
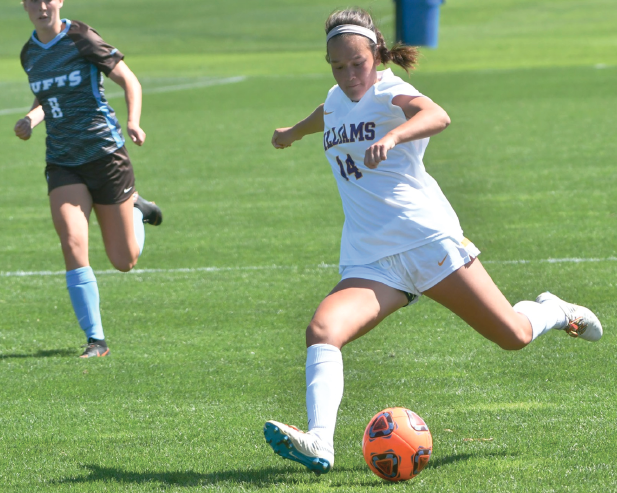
x=397 y=444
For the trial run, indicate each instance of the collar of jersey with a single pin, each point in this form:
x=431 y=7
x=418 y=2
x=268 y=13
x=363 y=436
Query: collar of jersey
x=385 y=74
x=58 y=37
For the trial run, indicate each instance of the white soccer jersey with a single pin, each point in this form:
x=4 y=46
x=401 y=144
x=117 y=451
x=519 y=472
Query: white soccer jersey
x=397 y=206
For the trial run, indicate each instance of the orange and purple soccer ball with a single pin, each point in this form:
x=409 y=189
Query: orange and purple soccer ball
x=397 y=444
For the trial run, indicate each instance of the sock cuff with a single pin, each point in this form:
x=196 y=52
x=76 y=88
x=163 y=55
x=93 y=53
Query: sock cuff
x=323 y=353
x=82 y=275
x=534 y=313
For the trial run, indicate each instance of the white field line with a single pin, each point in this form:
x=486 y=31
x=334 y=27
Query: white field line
x=154 y=90
x=574 y=260
x=11 y=111
x=240 y=78
x=186 y=86
x=45 y=273
x=233 y=80
x=188 y=270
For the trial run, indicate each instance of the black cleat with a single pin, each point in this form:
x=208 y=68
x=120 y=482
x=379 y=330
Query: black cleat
x=152 y=212
x=95 y=348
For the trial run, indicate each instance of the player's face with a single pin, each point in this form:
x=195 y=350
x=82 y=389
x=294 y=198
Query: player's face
x=44 y=14
x=353 y=65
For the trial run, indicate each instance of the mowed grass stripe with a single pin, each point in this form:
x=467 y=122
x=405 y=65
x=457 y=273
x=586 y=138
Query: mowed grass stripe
x=197 y=84
x=183 y=270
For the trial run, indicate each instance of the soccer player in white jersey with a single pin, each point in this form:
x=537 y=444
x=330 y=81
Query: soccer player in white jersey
x=401 y=238
x=87 y=164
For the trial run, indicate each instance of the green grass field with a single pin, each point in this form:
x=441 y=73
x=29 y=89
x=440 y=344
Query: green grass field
x=207 y=335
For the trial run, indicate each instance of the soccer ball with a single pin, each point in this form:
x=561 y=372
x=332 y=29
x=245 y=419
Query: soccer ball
x=397 y=444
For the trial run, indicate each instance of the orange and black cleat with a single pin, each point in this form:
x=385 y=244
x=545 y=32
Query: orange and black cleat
x=95 y=348
x=151 y=212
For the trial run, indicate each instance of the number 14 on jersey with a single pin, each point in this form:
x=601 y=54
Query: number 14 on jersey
x=352 y=169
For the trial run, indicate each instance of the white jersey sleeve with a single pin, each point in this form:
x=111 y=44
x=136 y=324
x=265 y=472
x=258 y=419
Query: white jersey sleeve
x=397 y=206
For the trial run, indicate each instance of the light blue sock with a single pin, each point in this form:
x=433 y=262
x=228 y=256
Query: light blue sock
x=84 y=293
x=140 y=230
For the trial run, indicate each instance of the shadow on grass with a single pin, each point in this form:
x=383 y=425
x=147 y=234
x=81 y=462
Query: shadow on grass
x=51 y=353
x=434 y=463
x=257 y=477
x=264 y=477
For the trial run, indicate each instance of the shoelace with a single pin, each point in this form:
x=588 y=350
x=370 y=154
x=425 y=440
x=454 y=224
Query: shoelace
x=576 y=327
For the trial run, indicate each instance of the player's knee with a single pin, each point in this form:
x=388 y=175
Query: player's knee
x=320 y=332
x=316 y=332
x=73 y=245
x=516 y=337
x=123 y=263
x=122 y=266
x=512 y=345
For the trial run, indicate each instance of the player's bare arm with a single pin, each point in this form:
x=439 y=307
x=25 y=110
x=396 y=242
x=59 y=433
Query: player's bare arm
x=424 y=119
x=312 y=124
x=127 y=80
x=24 y=126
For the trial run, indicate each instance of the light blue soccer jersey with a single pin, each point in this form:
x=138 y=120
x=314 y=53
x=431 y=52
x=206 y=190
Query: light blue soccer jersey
x=66 y=76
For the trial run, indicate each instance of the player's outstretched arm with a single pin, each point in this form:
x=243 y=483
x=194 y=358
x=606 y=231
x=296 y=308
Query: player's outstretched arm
x=424 y=119
x=24 y=126
x=284 y=137
x=126 y=79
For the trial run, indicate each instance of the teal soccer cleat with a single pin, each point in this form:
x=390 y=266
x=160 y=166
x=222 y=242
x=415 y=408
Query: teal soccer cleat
x=307 y=449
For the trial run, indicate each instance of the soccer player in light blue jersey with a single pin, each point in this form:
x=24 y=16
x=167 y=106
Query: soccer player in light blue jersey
x=87 y=164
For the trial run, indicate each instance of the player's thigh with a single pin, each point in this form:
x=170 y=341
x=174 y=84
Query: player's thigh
x=70 y=207
x=471 y=294
x=353 y=308
x=116 y=222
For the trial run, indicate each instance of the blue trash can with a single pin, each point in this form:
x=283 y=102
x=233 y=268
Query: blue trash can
x=417 y=22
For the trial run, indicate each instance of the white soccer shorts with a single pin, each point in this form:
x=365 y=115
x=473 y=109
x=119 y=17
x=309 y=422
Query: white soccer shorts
x=416 y=270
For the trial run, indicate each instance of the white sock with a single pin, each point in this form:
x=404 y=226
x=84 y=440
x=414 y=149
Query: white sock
x=542 y=316
x=138 y=227
x=324 y=389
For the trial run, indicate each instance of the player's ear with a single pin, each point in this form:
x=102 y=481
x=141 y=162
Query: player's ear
x=375 y=51
x=377 y=59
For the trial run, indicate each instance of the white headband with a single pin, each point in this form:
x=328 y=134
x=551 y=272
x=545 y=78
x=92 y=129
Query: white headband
x=352 y=29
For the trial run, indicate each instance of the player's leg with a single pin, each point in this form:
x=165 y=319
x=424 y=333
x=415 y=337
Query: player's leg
x=70 y=210
x=471 y=294
x=122 y=230
x=353 y=308
x=120 y=210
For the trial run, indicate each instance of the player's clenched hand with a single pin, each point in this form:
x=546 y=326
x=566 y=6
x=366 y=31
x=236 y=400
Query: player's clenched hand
x=136 y=134
x=283 y=137
x=23 y=128
x=378 y=152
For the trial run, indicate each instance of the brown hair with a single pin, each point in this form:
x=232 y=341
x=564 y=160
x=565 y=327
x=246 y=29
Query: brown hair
x=400 y=54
